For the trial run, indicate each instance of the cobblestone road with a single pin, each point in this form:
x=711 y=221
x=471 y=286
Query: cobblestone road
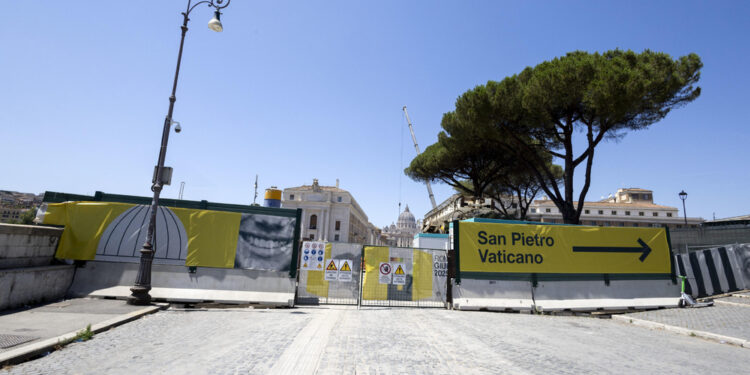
x=340 y=340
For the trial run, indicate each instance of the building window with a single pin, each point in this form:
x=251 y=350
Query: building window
x=313 y=221
x=338 y=226
x=586 y=212
x=669 y=214
x=640 y=213
x=336 y=237
x=627 y=213
x=601 y=212
x=636 y=196
x=533 y=210
x=656 y=214
x=646 y=196
x=338 y=199
x=291 y=197
x=615 y=212
x=312 y=237
x=547 y=210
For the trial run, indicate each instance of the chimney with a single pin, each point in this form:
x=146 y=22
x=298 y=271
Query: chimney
x=337 y=183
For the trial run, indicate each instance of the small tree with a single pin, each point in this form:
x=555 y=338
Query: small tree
x=28 y=216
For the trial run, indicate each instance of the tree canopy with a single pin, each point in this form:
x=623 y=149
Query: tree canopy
x=469 y=158
x=596 y=96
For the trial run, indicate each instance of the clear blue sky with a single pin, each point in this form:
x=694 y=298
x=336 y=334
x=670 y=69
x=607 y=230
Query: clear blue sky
x=296 y=90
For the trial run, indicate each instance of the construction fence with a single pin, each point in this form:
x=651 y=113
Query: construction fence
x=352 y=274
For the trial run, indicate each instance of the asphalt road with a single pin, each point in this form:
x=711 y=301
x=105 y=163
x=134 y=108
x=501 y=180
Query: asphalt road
x=343 y=340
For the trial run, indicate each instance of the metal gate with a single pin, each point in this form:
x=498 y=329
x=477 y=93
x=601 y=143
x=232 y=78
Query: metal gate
x=331 y=273
x=404 y=277
x=319 y=283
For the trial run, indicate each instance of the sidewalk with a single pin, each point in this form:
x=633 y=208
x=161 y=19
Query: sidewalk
x=29 y=332
x=727 y=321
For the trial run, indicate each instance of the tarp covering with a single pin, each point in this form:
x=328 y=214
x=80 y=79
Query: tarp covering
x=116 y=231
x=394 y=276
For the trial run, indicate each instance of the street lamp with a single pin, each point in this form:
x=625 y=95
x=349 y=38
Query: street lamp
x=139 y=291
x=683 y=196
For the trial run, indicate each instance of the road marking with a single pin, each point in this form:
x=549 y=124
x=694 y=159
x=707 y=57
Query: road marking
x=304 y=353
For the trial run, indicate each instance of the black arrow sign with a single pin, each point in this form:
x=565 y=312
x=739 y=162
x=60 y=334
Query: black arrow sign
x=644 y=249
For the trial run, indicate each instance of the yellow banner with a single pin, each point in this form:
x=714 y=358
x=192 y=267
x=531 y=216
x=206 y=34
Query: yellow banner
x=84 y=224
x=101 y=228
x=524 y=248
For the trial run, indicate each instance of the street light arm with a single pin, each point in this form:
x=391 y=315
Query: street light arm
x=211 y=3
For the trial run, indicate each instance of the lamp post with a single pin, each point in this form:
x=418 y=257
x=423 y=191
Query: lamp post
x=139 y=291
x=683 y=196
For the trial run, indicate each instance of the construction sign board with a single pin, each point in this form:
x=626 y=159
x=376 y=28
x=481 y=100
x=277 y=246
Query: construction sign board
x=312 y=255
x=498 y=248
x=386 y=273
x=399 y=274
x=332 y=270
x=345 y=270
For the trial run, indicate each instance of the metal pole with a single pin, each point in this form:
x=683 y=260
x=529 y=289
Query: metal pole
x=139 y=291
x=684 y=212
x=182 y=189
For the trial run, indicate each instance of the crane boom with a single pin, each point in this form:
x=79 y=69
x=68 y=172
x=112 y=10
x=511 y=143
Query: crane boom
x=416 y=147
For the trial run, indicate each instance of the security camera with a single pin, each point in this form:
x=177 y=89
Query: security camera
x=177 y=127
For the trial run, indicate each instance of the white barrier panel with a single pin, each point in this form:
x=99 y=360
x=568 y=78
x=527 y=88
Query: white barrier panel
x=175 y=284
x=492 y=295
x=596 y=295
x=585 y=295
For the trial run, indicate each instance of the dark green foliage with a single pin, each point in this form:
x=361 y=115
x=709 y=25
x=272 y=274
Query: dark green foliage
x=543 y=109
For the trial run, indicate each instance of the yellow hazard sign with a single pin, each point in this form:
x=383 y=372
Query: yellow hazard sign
x=331 y=266
x=345 y=267
x=399 y=270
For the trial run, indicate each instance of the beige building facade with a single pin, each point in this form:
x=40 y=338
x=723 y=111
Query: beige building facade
x=330 y=214
x=631 y=207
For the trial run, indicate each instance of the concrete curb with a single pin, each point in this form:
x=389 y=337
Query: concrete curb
x=26 y=351
x=727 y=303
x=683 y=331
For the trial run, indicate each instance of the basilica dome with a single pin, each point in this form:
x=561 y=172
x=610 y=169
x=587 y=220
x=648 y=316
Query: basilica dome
x=406 y=219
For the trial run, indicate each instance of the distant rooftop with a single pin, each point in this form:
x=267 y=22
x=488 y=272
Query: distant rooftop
x=316 y=187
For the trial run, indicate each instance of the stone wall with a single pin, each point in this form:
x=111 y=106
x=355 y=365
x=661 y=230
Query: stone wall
x=27 y=273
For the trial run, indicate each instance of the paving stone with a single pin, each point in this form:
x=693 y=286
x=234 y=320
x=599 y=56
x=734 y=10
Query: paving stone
x=727 y=320
x=386 y=341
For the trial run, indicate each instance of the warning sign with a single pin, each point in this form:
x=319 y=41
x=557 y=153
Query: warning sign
x=332 y=270
x=399 y=276
x=385 y=273
x=345 y=270
x=312 y=255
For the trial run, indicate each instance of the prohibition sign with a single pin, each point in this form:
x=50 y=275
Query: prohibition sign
x=385 y=268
